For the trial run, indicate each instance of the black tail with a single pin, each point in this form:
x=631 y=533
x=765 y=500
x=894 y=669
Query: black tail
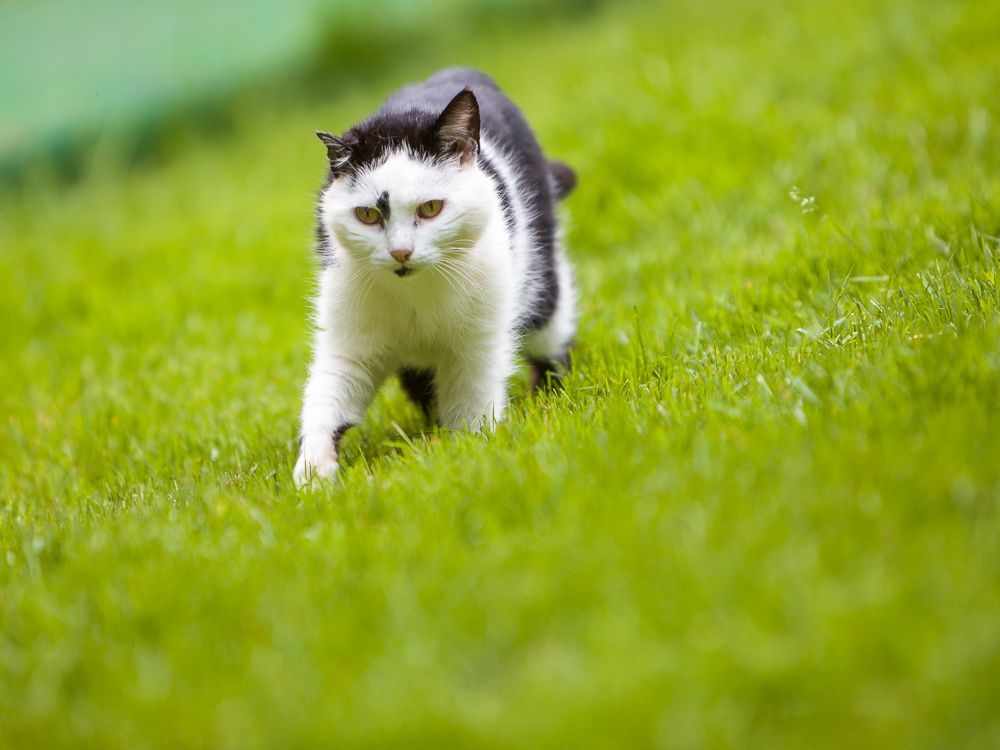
x=563 y=179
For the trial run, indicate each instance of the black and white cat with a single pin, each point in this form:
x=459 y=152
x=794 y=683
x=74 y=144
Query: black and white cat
x=441 y=262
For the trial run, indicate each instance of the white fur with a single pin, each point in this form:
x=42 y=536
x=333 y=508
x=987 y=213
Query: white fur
x=457 y=312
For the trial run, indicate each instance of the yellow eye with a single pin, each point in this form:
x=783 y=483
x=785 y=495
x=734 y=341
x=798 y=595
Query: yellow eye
x=368 y=214
x=430 y=209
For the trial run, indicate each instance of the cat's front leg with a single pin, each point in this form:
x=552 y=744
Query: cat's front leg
x=472 y=387
x=337 y=394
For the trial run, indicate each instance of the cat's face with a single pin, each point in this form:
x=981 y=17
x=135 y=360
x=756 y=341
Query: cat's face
x=407 y=195
x=407 y=214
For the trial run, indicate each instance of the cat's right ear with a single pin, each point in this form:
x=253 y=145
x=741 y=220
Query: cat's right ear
x=338 y=151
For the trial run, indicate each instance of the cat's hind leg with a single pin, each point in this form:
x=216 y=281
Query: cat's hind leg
x=547 y=348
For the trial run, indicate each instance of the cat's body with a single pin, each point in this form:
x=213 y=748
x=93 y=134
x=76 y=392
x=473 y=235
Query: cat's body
x=441 y=258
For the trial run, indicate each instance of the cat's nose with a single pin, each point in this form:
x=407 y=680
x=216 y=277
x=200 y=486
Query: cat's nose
x=402 y=254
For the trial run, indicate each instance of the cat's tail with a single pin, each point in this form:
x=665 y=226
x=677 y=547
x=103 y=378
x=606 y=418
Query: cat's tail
x=563 y=179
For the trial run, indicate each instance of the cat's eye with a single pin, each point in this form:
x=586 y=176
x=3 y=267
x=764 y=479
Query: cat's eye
x=368 y=214
x=430 y=209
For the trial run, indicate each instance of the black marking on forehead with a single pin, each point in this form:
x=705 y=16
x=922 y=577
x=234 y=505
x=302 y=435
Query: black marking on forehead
x=382 y=204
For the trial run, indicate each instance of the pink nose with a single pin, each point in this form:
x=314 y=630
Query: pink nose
x=402 y=254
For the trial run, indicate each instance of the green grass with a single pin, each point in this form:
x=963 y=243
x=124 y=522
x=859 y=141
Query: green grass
x=765 y=511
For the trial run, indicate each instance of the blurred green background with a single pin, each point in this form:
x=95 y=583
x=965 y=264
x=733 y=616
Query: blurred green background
x=76 y=69
x=764 y=511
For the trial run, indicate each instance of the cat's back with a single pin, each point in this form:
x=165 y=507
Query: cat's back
x=502 y=121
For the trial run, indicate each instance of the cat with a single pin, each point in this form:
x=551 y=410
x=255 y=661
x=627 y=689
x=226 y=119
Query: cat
x=441 y=262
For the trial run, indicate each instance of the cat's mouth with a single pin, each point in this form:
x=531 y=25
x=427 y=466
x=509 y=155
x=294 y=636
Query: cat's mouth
x=404 y=271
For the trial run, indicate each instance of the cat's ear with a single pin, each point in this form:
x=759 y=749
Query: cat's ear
x=457 y=128
x=338 y=150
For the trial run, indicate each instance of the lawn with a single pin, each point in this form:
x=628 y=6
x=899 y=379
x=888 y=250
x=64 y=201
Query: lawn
x=764 y=511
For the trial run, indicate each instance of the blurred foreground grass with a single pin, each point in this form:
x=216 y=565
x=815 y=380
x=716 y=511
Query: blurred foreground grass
x=765 y=511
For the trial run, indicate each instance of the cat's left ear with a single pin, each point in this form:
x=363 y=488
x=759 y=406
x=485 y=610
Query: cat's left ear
x=338 y=150
x=457 y=128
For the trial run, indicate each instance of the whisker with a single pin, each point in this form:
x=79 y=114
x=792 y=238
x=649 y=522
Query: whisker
x=462 y=279
x=360 y=295
x=462 y=272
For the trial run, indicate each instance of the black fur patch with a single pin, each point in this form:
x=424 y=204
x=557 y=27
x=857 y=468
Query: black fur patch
x=322 y=237
x=323 y=241
x=387 y=131
x=548 y=374
x=419 y=386
x=382 y=204
x=338 y=435
x=545 y=303
x=508 y=207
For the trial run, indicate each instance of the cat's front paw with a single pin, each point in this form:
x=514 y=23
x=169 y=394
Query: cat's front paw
x=317 y=462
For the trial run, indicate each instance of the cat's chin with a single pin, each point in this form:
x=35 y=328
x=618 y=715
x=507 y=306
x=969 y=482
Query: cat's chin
x=404 y=271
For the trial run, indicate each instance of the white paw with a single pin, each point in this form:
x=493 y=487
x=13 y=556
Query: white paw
x=317 y=462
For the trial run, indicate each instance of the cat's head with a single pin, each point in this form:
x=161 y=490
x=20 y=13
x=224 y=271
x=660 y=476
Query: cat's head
x=406 y=192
